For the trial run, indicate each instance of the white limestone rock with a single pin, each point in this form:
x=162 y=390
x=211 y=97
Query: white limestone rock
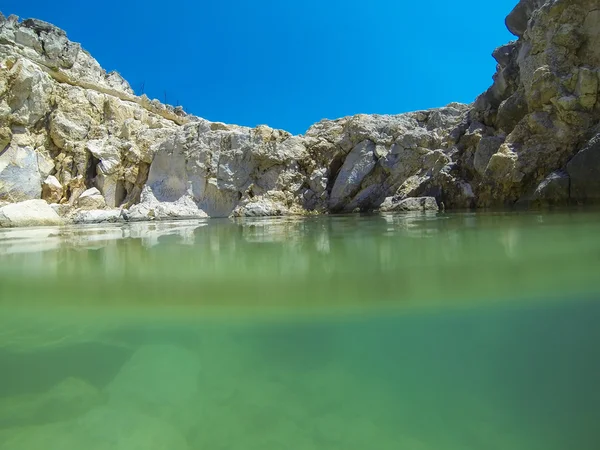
x=61 y=114
x=260 y=208
x=151 y=209
x=409 y=204
x=19 y=174
x=357 y=165
x=98 y=216
x=28 y=213
x=90 y=199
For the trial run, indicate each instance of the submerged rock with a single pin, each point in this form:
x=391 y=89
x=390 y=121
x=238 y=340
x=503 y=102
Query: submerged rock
x=161 y=381
x=68 y=399
x=102 y=428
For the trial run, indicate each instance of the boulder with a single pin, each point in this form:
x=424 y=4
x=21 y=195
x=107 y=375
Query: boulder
x=19 y=174
x=517 y=20
x=52 y=190
x=28 y=213
x=98 y=216
x=260 y=208
x=356 y=167
x=90 y=199
x=151 y=209
x=409 y=204
x=76 y=186
x=62 y=209
x=554 y=190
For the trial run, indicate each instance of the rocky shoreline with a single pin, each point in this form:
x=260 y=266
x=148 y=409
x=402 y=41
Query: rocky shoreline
x=77 y=145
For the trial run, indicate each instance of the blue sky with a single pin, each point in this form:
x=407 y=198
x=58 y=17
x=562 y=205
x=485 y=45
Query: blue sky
x=289 y=64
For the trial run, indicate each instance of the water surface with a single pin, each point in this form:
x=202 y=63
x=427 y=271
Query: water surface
x=416 y=331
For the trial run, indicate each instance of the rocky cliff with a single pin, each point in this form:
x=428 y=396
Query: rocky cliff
x=79 y=138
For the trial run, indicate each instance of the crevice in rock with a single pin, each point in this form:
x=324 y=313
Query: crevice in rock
x=91 y=170
x=3 y=151
x=334 y=170
x=121 y=193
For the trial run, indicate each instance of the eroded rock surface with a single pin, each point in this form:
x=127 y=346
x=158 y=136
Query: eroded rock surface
x=544 y=102
x=62 y=115
x=67 y=126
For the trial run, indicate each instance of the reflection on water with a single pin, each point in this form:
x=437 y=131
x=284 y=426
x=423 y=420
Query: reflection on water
x=428 y=331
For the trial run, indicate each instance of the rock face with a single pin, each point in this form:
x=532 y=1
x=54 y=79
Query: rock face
x=543 y=104
x=584 y=171
x=63 y=116
x=151 y=209
x=338 y=165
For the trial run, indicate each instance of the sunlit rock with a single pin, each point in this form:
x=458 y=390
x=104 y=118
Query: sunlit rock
x=62 y=115
x=52 y=190
x=90 y=199
x=409 y=204
x=28 y=213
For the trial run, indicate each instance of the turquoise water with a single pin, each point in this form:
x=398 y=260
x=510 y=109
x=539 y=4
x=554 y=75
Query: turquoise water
x=428 y=331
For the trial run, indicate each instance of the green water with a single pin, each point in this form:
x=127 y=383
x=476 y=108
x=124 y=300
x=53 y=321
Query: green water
x=428 y=331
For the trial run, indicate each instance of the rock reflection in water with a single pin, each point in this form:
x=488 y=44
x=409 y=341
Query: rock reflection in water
x=401 y=259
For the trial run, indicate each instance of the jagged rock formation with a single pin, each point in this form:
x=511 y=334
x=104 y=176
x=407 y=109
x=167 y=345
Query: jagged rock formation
x=62 y=115
x=338 y=165
x=542 y=108
x=67 y=126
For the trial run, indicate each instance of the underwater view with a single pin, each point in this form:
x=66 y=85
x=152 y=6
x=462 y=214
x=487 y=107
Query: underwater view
x=428 y=331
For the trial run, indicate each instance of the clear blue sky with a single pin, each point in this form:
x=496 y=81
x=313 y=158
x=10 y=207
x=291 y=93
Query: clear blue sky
x=289 y=63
